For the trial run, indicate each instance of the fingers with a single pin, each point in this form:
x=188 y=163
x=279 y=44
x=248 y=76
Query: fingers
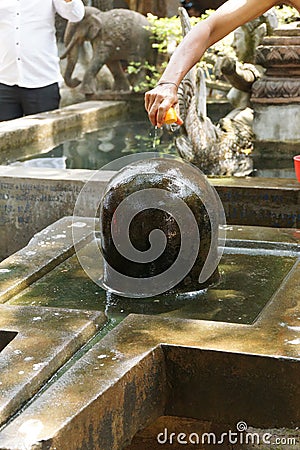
x=158 y=101
x=179 y=121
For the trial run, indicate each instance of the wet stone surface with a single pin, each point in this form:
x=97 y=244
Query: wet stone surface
x=38 y=341
x=246 y=286
x=233 y=351
x=180 y=182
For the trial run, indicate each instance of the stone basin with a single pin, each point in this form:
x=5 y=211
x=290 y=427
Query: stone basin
x=175 y=360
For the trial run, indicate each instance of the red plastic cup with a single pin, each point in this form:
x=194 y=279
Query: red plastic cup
x=297 y=166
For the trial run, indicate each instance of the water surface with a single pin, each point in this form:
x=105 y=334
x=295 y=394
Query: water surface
x=125 y=136
x=247 y=285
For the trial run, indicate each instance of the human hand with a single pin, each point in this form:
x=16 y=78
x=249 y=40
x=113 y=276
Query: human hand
x=159 y=100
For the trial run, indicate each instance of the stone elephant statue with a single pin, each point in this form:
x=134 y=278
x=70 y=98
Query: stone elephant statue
x=118 y=37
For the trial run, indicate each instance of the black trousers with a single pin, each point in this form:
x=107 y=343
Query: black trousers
x=18 y=101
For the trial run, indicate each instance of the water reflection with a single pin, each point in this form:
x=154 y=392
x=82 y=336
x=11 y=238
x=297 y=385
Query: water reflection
x=247 y=284
x=94 y=150
x=50 y=162
x=126 y=136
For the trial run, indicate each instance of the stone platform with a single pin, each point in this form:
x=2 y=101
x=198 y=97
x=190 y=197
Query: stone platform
x=93 y=383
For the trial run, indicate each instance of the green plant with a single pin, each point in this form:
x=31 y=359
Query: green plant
x=166 y=35
x=286 y=14
x=167 y=31
x=164 y=32
x=150 y=73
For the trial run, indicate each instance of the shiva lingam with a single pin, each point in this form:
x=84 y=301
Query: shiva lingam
x=159 y=221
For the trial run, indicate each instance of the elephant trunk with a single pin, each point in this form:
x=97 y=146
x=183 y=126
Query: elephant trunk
x=71 y=37
x=72 y=43
x=69 y=47
x=70 y=31
x=72 y=53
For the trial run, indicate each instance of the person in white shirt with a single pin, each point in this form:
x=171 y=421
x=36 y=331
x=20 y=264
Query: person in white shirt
x=29 y=62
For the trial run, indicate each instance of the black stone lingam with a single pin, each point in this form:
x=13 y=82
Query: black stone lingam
x=173 y=198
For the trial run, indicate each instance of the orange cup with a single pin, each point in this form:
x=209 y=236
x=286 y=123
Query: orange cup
x=171 y=116
x=297 y=166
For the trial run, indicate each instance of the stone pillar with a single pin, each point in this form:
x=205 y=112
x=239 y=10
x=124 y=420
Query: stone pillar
x=276 y=96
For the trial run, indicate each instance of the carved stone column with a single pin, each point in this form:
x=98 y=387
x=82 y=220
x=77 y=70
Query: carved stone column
x=276 y=96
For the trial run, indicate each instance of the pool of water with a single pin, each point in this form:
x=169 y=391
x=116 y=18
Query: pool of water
x=95 y=149
x=122 y=137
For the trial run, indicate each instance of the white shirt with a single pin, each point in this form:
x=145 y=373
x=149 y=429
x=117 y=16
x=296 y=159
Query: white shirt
x=28 y=49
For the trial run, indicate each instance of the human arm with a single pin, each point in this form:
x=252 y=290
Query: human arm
x=225 y=19
x=72 y=10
